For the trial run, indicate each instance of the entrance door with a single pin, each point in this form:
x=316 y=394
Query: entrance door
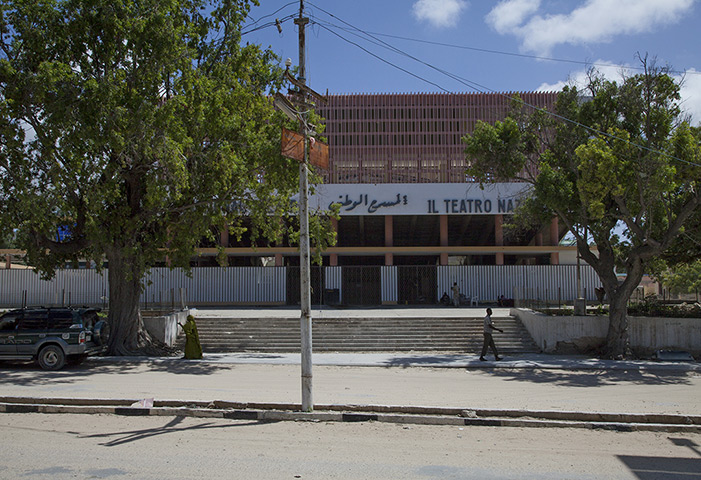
x=316 y=274
x=417 y=285
x=361 y=285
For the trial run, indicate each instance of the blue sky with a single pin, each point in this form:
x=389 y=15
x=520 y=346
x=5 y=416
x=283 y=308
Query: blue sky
x=402 y=46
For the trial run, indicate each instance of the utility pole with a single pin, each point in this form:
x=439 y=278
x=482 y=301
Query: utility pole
x=580 y=303
x=316 y=153
x=305 y=280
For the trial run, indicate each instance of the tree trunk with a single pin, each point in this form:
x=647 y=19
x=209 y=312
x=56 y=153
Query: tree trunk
x=127 y=333
x=617 y=340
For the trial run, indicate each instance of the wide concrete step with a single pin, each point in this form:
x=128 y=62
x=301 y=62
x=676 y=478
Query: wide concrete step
x=373 y=334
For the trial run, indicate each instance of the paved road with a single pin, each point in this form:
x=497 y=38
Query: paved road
x=534 y=383
x=107 y=446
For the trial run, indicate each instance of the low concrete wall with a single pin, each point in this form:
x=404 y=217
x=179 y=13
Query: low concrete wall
x=164 y=328
x=583 y=334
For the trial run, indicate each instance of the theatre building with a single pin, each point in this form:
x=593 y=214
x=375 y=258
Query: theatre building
x=412 y=222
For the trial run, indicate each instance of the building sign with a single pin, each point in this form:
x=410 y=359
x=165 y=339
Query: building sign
x=420 y=198
x=293 y=147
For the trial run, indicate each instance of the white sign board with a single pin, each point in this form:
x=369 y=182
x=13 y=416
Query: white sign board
x=420 y=198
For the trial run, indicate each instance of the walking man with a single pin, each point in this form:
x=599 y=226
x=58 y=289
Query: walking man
x=456 y=294
x=488 y=340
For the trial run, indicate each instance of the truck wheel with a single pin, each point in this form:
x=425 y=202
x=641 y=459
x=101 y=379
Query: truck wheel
x=51 y=357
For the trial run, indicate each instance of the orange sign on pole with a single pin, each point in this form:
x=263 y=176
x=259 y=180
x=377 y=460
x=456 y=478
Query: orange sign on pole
x=293 y=147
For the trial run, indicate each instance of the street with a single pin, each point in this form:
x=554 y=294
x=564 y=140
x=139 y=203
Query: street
x=37 y=446
x=63 y=446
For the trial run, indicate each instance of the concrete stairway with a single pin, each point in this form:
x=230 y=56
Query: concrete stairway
x=376 y=334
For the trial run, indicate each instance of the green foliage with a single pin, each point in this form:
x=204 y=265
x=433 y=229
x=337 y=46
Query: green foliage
x=653 y=307
x=137 y=125
x=613 y=156
x=682 y=278
x=7 y=241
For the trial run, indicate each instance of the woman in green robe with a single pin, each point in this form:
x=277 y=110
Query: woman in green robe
x=193 y=349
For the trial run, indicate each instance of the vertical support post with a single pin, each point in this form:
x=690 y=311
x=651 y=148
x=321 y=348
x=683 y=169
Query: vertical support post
x=554 y=240
x=333 y=258
x=305 y=280
x=443 y=227
x=224 y=237
x=499 y=237
x=580 y=306
x=389 y=238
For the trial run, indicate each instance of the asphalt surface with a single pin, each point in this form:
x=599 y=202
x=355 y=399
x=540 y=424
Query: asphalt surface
x=529 y=390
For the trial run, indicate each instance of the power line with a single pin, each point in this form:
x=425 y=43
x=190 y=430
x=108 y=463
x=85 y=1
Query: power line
x=522 y=55
x=270 y=15
x=267 y=25
x=383 y=59
x=476 y=86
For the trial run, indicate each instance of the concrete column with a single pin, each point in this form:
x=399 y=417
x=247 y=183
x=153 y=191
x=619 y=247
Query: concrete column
x=224 y=237
x=389 y=238
x=443 y=219
x=499 y=237
x=279 y=261
x=333 y=257
x=554 y=240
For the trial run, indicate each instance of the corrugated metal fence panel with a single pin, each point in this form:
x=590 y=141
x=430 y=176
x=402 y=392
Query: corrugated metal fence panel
x=533 y=282
x=268 y=285
x=333 y=277
x=555 y=283
x=68 y=287
x=388 y=281
x=81 y=287
x=447 y=275
x=217 y=285
x=160 y=287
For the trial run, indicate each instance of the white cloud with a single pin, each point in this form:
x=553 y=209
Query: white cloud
x=691 y=95
x=509 y=14
x=609 y=70
x=439 y=13
x=690 y=90
x=595 y=21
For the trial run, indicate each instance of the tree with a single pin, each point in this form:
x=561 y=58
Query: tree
x=136 y=127
x=611 y=156
x=679 y=268
x=683 y=278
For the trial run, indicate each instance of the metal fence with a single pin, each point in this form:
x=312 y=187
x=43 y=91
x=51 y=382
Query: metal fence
x=348 y=285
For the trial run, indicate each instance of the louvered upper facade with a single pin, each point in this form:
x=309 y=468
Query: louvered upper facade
x=409 y=138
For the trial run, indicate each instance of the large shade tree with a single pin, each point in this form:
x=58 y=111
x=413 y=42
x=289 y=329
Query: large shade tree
x=614 y=157
x=136 y=127
x=679 y=268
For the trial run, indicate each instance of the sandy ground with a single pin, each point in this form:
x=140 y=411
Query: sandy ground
x=149 y=448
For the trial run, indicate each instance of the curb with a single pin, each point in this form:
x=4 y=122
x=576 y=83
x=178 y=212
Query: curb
x=622 y=422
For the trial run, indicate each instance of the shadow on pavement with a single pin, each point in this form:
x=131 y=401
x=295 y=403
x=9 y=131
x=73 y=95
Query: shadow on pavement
x=28 y=374
x=172 y=426
x=591 y=378
x=411 y=361
x=656 y=468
